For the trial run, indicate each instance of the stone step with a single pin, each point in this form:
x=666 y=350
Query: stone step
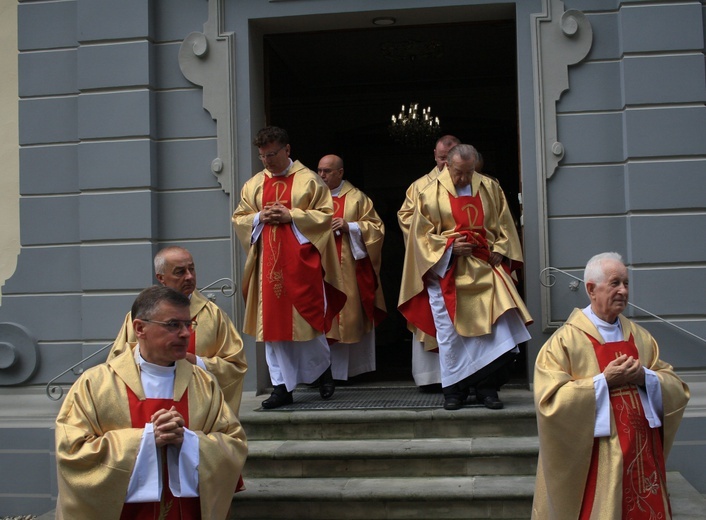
x=437 y=498
x=480 y=497
x=393 y=457
x=516 y=419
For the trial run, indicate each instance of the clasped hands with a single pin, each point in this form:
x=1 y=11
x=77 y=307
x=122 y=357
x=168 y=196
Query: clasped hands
x=168 y=427
x=624 y=370
x=462 y=247
x=275 y=213
x=339 y=224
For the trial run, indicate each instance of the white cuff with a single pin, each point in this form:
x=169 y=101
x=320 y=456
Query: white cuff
x=357 y=245
x=183 y=464
x=440 y=267
x=601 y=427
x=146 y=480
x=651 y=397
x=256 y=228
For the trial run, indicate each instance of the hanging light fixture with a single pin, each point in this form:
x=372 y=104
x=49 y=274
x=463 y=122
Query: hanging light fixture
x=414 y=129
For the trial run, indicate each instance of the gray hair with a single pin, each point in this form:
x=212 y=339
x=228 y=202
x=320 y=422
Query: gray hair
x=160 y=259
x=464 y=151
x=594 y=268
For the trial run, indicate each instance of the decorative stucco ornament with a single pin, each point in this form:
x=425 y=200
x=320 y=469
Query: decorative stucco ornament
x=18 y=354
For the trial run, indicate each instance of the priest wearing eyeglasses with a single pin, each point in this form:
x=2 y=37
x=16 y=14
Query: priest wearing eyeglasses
x=148 y=435
x=291 y=279
x=216 y=347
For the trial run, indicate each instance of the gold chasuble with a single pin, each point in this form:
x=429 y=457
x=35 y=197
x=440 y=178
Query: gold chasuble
x=282 y=277
x=97 y=445
x=365 y=304
x=406 y=212
x=620 y=476
x=404 y=218
x=216 y=341
x=476 y=293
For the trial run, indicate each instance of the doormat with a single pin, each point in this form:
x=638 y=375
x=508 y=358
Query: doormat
x=363 y=398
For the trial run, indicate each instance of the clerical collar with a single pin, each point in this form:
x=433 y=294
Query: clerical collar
x=336 y=191
x=151 y=368
x=282 y=174
x=465 y=191
x=609 y=331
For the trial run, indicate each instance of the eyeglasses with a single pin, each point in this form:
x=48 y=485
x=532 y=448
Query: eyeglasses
x=270 y=155
x=174 y=325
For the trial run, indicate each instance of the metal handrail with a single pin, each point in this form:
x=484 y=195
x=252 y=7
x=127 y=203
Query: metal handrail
x=547 y=274
x=226 y=289
x=56 y=392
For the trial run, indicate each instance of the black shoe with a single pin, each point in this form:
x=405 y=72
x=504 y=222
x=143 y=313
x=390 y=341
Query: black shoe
x=279 y=397
x=469 y=396
x=452 y=402
x=492 y=402
x=326 y=385
x=453 y=397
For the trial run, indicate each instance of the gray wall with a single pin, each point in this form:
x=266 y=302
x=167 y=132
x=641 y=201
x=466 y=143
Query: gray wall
x=115 y=153
x=115 y=162
x=633 y=180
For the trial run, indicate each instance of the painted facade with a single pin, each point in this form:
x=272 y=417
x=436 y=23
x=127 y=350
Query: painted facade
x=133 y=131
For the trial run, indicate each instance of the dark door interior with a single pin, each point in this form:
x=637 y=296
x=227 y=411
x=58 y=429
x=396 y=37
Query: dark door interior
x=335 y=92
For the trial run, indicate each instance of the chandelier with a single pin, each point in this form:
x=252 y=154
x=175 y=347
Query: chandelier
x=410 y=128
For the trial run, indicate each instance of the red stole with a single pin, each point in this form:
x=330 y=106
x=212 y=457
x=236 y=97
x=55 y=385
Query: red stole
x=292 y=272
x=170 y=507
x=468 y=214
x=365 y=275
x=644 y=477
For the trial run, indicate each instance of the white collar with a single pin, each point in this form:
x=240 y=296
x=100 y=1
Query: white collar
x=335 y=192
x=282 y=174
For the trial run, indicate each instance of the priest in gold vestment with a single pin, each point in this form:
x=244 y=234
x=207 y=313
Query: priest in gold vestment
x=291 y=278
x=608 y=409
x=216 y=346
x=456 y=283
x=425 y=361
x=148 y=435
x=359 y=235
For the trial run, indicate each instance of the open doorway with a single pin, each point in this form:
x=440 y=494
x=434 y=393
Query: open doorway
x=335 y=92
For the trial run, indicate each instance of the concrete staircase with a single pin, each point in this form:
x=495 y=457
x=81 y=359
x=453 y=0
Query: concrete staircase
x=389 y=463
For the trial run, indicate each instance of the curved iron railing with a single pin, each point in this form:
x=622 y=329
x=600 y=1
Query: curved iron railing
x=56 y=392
x=547 y=279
